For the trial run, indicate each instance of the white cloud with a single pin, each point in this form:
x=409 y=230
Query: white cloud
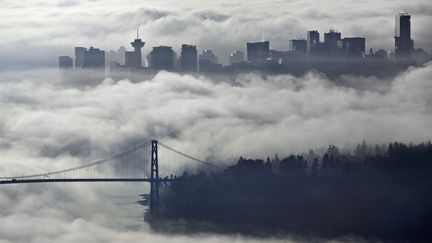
x=46 y=125
x=215 y=118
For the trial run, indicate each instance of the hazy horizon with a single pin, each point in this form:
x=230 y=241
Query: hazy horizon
x=35 y=33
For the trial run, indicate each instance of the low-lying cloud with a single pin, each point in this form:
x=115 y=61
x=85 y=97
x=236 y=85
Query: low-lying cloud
x=254 y=117
x=46 y=125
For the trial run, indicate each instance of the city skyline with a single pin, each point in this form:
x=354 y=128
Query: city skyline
x=348 y=55
x=255 y=121
x=206 y=25
x=359 y=41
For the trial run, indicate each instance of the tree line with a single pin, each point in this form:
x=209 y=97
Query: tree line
x=381 y=191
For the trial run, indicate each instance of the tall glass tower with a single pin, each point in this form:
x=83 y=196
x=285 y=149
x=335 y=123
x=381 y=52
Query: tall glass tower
x=404 y=45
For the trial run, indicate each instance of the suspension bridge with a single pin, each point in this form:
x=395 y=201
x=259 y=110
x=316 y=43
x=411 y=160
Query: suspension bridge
x=152 y=162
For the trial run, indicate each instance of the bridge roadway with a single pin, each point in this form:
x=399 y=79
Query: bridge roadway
x=18 y=181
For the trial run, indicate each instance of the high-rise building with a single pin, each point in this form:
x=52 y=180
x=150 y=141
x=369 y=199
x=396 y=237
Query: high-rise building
x=189 y=58
x=162 y=58
x=313 y=40
x=111 y=58
x=121 y=55
x=298 y=46
x=276 y=57
x=79 y=56
x=65 y=62
x=404 y=45
x=354 y=46
x=208 y=55
x=208 y=62
x=258 y=52
x=331 y=40
x=94 y=58
x=133 y=59
x=236 y=57
x=115 y=58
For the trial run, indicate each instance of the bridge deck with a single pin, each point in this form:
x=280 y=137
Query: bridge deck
x=18 y=181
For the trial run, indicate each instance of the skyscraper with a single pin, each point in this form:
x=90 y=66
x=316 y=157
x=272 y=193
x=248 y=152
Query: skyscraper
x=331 y=40
x=313 y=39
x=94 y=58
x=258 y=52
x=89 y=58
x=133 y=59
x=162 y=58
x=207 y=55
x=121 y=55
x=189 y=58
x=236 y=57
x=65 y=62
x=354 y=46
x=403 y=42
x=208 y=62
x=79 y=56
x=298 y=46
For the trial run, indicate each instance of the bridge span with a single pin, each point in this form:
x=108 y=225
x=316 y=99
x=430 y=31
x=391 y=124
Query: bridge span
x=152 y=162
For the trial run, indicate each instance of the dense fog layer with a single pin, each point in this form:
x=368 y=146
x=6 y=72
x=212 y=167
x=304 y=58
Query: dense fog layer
x=46 y=125
x=210 y=118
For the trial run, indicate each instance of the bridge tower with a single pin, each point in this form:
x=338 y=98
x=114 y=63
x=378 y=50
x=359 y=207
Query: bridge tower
x=154 y=179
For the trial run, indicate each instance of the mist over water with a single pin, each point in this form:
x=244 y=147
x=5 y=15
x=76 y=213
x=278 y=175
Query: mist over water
x=47 y=125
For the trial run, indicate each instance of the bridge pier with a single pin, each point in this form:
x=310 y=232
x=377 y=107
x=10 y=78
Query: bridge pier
x=154 y=180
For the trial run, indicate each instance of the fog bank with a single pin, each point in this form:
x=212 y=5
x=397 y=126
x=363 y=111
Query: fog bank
x=46 y=125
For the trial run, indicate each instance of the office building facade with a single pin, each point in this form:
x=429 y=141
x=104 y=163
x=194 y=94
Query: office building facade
x=298 y=46
x=331 y=40
x=312 y=41
x=79 y=56
x=65 y=62
x=258 y=52
x=162 y=58
x=236 y=57
x=189 y=58
x=404 y=45
x=354 y=46
x=94 y=58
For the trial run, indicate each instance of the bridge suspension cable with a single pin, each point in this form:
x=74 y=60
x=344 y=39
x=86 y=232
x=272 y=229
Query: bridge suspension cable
x=105 y=160
x=190 y=157
x=129 y=165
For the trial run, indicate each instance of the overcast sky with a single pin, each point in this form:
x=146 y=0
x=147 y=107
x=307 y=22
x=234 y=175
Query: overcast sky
x=35 y=32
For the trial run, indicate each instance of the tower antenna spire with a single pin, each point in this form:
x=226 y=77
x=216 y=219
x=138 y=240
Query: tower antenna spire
x=138 y=33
